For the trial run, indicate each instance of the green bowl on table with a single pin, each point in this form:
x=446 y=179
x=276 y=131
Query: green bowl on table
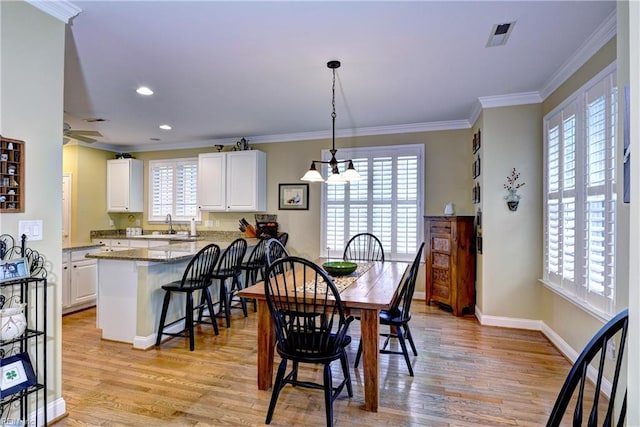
x=340 y=268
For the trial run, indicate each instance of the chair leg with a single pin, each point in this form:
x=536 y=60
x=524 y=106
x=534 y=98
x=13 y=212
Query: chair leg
x=403 y=344
x=358 y=355
x=225 y=301
x=277 y=386
x=207 y=295
x=345 y=371
x=407 y=333
x=189 y=320
x=163 y=316
x=328 y=394
x=236 y=285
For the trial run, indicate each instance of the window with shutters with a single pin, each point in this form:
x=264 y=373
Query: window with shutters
x=387 y=202
x=173 y=186
x=580 y=195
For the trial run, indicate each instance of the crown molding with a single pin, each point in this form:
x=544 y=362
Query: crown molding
x=605 y=32
x=300 y=136
x=60 y=9
x=511 y=99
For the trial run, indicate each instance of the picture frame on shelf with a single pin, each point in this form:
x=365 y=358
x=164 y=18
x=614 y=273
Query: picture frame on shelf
x=293 y=197
x=17 y=374
x=14 y=269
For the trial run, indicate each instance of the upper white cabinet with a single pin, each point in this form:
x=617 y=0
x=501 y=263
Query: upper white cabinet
x=124 y=185
x=232 y=182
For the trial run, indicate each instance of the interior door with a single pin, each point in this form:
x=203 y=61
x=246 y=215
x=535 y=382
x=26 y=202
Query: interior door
x=66 y=209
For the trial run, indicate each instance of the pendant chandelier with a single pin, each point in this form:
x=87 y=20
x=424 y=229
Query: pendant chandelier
x=350 y=174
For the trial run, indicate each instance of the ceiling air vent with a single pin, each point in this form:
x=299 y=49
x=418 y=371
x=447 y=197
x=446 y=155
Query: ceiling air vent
x=94 y=119
x=499 y=34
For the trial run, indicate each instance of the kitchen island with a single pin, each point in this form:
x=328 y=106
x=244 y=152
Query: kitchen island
x=130 y=292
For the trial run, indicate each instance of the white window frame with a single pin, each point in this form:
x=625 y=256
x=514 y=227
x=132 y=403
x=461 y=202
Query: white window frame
x=597 y=300
x=172 y=163
x=394 y=151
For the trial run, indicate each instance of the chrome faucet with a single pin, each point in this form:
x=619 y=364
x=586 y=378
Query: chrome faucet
x=169 y=221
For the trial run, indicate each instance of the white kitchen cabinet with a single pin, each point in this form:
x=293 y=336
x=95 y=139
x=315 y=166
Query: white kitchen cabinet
x=79 y=280
x=232 y=182
x=124 y=185
x=212 y=181
x=113 y=244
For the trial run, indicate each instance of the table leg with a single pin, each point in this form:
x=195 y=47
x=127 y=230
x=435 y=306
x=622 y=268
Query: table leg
x=369 y=324
x=266 y=341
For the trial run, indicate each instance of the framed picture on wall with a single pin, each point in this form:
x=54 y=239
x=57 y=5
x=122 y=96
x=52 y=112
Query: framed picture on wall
x=293 y=197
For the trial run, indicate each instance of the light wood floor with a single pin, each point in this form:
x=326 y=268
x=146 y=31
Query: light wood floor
x=465 y=375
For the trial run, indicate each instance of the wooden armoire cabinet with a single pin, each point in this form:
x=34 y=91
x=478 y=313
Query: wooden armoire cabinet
x=451 y=262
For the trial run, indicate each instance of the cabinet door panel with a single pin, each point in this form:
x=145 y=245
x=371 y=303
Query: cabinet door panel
x=212 y=181
x=117 y=186
x=241 y=176
x=66 y=298
x=84 y=276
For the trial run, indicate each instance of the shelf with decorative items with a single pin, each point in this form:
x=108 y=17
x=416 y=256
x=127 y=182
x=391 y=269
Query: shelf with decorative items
x=512 y=185
x=11 y=175
x=23 y=333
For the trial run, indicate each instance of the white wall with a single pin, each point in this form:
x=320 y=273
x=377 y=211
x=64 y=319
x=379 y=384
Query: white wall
x=509 y=267
x=629 y=20
x=31 y=92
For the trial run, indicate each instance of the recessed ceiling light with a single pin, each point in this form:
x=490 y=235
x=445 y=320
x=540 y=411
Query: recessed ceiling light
x=165 y=127
x=143 y=90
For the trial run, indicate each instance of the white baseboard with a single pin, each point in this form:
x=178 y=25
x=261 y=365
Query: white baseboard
x=55 y=410
x=538 y=325
x=144 y=343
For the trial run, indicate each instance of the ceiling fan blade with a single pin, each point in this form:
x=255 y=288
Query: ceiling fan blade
x=86 y=132
x=65 y=140
x=82 y=138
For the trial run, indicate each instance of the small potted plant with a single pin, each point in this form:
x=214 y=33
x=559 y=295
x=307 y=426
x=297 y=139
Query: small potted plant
x=512 y=185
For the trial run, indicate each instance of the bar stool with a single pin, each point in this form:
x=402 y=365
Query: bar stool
x=256 y=263
x=196 y=277
x=229 y=268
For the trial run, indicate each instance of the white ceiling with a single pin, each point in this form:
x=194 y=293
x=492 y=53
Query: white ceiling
x=226 y=70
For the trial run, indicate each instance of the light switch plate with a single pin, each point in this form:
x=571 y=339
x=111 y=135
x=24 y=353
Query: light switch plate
x=32 y=229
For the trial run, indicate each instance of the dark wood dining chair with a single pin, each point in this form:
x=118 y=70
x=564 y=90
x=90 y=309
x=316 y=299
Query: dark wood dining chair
x=275 y=250
x=310 y=325
x=399 y=315
x=363 y=247
x=196 y=278
x=587 y=404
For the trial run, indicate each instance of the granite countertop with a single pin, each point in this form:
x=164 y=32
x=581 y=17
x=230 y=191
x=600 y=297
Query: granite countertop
x=80 y=245
x=177 y=251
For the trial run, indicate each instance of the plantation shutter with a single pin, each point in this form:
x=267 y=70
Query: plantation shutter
x=173 y=189
x=580 y=195
x=386 y=202
x=601 y=113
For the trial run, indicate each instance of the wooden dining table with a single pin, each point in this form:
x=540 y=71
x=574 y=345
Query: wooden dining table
x=371 y=292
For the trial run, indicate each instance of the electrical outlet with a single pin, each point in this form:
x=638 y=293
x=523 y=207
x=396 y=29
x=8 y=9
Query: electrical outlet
x=208 y=223
x=217 y=223
x=137 y=223
x=111 y=223
x=611 y=349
